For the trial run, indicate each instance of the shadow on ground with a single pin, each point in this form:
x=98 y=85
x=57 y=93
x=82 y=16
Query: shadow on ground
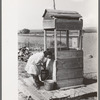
x=87 y=81
x=90 y=96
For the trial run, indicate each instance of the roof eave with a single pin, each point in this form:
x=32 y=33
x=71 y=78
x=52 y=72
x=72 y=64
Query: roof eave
x=44 y=12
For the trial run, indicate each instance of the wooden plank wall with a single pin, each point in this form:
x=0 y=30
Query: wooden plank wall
x=69 y=82
x=70 y=63
x=64 y=24
x=70 y=73
x=70 y=68
x=49 y=24
x=70 y=54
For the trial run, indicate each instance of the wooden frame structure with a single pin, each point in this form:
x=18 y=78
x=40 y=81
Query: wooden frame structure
x=68 y=64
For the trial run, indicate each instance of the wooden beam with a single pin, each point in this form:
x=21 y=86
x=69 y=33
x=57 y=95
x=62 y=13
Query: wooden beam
x=54 y=71
x=67 y=38
x=70 y=54
x=60 y=40
x=55 y=62
x=45 y=44
x=55 y=43
x=80 y=39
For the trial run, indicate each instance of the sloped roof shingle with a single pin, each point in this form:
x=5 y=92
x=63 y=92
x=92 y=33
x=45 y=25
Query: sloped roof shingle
x=48 y=13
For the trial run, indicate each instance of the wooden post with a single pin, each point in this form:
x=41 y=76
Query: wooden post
x=55 y=62
x=60 y=40
x=55 y=43
x=80 y=40
x=54 y=75
x=67 y=38
x=45 y=45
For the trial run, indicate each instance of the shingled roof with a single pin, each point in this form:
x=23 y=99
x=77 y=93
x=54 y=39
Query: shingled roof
x=49 y=13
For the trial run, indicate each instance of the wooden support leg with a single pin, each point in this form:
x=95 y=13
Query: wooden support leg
x=60 y=40
x=45 y=45
x=55 y=62
x=67 y=39
x=80 y=40
x=55 y=42
x=55 y=71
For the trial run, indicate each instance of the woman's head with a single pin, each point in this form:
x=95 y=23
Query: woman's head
x=48 y=54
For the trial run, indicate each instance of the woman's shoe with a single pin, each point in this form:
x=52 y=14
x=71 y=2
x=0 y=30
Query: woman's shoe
x=37 y=86
x=41 y=83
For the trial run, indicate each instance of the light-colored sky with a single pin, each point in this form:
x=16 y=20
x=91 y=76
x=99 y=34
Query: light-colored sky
x=30 y=11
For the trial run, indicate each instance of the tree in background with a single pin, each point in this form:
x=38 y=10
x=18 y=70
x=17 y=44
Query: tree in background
x=24 y=31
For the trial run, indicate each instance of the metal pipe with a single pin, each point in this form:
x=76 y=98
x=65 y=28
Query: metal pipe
x=54 y=4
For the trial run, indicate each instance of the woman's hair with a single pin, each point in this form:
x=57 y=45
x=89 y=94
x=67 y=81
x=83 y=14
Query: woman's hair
x=47 y=52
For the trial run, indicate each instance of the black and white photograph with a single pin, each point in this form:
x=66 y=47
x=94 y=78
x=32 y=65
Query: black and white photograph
x=56 y=50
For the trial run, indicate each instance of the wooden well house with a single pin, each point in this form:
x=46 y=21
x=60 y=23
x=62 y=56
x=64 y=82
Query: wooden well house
x=68 y=58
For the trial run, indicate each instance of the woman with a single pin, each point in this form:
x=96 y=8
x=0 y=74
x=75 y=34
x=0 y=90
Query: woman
x=34 y=64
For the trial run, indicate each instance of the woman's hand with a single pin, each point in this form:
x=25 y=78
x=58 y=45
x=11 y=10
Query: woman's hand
x=38 y=64
x=43 y=65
